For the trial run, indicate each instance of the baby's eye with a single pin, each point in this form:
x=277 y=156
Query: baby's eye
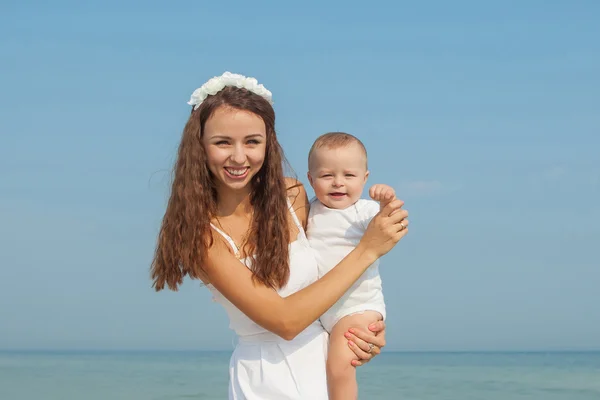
x=350 y=175
x=326 y=176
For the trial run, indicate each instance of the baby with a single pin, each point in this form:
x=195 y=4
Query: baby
x=338 y=217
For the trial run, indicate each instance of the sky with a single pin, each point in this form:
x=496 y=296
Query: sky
x=484 y=116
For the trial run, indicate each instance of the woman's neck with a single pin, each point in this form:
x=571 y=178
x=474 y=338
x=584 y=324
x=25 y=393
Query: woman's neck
x=233 y=203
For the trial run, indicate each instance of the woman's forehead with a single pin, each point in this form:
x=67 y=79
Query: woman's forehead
x=234 y=123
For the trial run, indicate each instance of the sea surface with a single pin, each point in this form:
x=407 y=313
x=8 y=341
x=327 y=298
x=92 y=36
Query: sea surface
x=35 y=375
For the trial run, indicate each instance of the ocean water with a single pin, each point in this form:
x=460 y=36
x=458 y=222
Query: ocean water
x=392 y=376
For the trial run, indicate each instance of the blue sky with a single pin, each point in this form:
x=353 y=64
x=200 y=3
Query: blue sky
x=483 y=116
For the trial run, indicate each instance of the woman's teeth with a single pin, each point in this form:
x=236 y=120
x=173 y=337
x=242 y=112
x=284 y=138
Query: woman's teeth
x=236 y=171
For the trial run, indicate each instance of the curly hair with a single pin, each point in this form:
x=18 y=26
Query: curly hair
x=185 y=234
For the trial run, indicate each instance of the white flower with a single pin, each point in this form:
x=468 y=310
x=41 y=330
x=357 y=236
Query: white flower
x=213 y=86
x=216 y=84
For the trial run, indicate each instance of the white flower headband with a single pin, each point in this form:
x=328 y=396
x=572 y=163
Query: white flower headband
x=218 y=83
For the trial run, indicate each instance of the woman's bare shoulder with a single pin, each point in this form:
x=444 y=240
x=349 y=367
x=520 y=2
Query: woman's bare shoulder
x=298 y=198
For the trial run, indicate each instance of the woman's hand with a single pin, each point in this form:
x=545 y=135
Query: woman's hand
x=361 y=339
x=385 y=229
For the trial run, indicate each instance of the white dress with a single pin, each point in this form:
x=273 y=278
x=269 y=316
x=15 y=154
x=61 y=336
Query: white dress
x=332 y=234
x=264 y=366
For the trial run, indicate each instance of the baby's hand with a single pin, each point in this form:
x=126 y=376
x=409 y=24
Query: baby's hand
x=382 y=193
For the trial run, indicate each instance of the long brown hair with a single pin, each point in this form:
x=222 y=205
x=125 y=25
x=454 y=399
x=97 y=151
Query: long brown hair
x=185 y=234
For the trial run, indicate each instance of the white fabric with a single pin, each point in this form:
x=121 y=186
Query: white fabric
x=332 y=234
x=264 y=366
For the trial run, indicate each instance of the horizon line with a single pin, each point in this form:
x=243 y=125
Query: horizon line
x=405 y=351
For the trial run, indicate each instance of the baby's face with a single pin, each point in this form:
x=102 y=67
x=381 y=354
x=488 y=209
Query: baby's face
x=338 y=175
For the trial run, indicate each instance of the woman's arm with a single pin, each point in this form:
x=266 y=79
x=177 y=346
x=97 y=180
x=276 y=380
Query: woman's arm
x=289 y=316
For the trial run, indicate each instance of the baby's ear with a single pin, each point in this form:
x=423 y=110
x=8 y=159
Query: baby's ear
x=366 y=175
x=309 y=178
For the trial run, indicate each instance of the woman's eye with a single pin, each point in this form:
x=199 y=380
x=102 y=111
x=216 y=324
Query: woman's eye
x=253 y=141
x=221 y=143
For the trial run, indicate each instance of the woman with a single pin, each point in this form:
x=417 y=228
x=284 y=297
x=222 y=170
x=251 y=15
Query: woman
x=236 y=223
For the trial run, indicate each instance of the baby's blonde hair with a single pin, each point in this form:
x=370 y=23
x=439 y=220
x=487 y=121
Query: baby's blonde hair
x=335 y=140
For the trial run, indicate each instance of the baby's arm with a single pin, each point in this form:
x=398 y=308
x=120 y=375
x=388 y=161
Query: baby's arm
x=384 y=194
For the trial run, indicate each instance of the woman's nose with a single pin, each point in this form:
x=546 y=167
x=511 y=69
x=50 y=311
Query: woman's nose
x=238 y=155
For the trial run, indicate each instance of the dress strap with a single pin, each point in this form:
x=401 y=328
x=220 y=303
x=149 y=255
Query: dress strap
x=234 y=246
x=295 y=217
x=228 y=238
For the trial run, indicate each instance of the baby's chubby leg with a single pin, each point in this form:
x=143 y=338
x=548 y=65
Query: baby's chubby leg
x=341 y=375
